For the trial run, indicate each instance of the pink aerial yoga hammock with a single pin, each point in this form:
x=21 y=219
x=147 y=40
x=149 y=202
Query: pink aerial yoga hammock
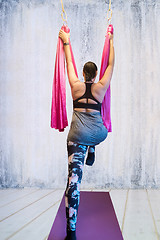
x=106 y=104
x=58 y=110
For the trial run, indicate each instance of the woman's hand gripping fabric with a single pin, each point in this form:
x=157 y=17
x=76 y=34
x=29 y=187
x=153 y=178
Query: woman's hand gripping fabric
x=110 y=36
x=64 y=36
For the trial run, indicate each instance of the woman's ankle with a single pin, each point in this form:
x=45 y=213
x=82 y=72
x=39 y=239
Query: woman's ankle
x=71 y=235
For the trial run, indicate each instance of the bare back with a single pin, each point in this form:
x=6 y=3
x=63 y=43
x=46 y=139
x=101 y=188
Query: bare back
x=79 y=89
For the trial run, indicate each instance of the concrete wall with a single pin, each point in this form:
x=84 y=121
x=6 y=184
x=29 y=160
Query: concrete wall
x=33 y=154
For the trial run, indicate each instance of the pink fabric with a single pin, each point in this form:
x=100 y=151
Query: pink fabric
x=105 y=110
x=58 y=109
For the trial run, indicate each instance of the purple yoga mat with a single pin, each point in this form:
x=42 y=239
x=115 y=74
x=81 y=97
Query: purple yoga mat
x=96 y=219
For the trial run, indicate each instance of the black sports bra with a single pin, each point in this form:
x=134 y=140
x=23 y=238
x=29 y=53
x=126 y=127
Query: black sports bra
x=87 y=95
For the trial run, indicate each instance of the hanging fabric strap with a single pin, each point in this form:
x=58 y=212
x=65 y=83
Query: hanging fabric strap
x=105 y=110
x=58 y=109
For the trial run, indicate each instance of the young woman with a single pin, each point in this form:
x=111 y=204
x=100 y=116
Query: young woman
x=87 y=129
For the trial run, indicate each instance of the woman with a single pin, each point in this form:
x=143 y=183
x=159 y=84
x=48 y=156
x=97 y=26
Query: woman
x=87 y=129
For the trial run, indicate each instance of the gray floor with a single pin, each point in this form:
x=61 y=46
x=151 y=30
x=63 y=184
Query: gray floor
x=28 y=214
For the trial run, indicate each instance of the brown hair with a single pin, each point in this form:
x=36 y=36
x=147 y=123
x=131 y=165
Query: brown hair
x=89 y=70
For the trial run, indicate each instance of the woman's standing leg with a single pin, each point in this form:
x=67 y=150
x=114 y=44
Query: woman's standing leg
x=76 y=155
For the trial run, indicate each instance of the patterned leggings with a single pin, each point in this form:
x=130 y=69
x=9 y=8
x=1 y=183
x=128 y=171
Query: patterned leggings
x=76 y=155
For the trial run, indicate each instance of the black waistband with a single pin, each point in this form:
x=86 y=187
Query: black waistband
x=96 y=106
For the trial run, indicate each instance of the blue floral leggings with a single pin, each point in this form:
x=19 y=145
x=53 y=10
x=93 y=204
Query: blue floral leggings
x=76 y=155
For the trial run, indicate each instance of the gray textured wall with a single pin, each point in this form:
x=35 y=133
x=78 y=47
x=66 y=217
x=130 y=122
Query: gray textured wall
x=33 y=154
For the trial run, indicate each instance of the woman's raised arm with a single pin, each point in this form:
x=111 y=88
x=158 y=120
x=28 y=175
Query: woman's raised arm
x=105 y=80
x=70 y=68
